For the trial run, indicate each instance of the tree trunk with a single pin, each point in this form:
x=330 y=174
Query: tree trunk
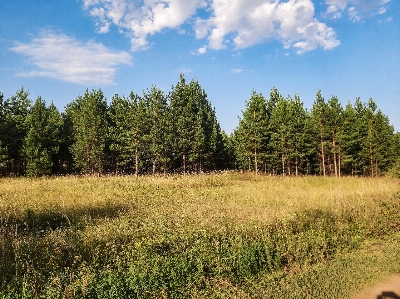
x=136 y=163
x=201 y=162
x=371 y=159
x=283 y=164
x=255 y=144
x=340 y=163
x=297 y=166
x=334 y=157
x=322 y=149
x=255 y=159
x=184 y=164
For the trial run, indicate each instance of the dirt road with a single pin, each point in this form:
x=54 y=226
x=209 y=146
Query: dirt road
x=389 y=289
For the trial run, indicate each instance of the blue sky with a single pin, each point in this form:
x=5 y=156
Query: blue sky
x=346 y=48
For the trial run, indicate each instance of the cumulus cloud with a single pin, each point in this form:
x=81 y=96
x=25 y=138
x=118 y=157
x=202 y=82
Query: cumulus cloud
x=241 y=23
x=140 y=19
x=65 y=58
x=356 y=9
x=292 y=22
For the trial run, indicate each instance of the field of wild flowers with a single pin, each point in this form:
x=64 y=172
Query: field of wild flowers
x=209 y=236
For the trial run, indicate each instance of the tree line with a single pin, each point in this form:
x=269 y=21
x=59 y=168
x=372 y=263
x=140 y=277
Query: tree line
x=178 y=132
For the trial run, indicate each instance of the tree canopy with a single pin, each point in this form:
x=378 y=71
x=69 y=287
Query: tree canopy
x=161 y=132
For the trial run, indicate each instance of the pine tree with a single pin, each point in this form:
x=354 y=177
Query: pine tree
x=319 y=118
x=53 y=130
x=290 y=134
x=89 y=119
x=140 y=130
x=394 y=169
x=351 y=141
x=160 y=134
x=3 y=132
x=119 y=132
x=225 y=154
x=384 y=138
x=367 y=135
x=300 y=136
x=219 y=153
x=65 y=157
x=14 y=130
x=251 y=134
x=186 y=125
x=129 y=132
x=281 y=132
x=182 y=124
x=334 y=127
x=361 y=151
x=273 y=162
x=41 y=144
x=208 y=137
x=395 y=148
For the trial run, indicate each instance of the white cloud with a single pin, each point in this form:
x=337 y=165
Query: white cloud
x=241 y=23
x=292 y=22
x=147 y=18
x=65 y=58
x=382 y=10
x=356 y=9
x=185 y=70
x=237 y=71
x=200 y=51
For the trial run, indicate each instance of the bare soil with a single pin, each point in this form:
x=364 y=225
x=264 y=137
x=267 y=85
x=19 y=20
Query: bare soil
x=389 y=289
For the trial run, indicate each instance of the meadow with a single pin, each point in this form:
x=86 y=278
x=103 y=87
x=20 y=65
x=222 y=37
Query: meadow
x=210 y=236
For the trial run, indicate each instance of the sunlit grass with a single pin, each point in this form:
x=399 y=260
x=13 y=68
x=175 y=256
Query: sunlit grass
x=180 y=235
x=205 y=199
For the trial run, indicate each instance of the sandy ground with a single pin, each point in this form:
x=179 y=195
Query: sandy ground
x=389 y=289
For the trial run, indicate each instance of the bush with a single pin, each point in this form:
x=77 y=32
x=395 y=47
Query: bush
x=394 y=172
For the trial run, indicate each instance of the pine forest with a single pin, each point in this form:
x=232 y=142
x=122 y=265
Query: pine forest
x=178 y=133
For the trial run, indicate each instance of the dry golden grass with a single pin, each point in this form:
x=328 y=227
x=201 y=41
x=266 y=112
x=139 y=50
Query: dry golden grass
x=203 y=199
x=227 y=227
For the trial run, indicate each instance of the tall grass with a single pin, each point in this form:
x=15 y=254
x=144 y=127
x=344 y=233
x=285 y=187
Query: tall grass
x=122 y=237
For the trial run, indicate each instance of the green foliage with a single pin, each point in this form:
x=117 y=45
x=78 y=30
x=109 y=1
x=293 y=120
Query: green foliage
x=88 y=115
x=197 y=136
x=319 y=114
x=129 y=132
x=14 y=112
x=160 y=134
x=179 y=132
x=350 y=140
x=395 y=170
x=3 y=125
x=291 y=138
x=41 y=144
x=251 y=134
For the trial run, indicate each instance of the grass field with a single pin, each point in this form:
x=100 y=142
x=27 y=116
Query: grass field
x=210 y=236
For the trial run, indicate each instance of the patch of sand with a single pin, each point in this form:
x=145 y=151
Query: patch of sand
x=390 y=289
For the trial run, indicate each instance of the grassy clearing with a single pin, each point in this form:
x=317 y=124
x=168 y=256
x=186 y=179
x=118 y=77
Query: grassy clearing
x=177 y=237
